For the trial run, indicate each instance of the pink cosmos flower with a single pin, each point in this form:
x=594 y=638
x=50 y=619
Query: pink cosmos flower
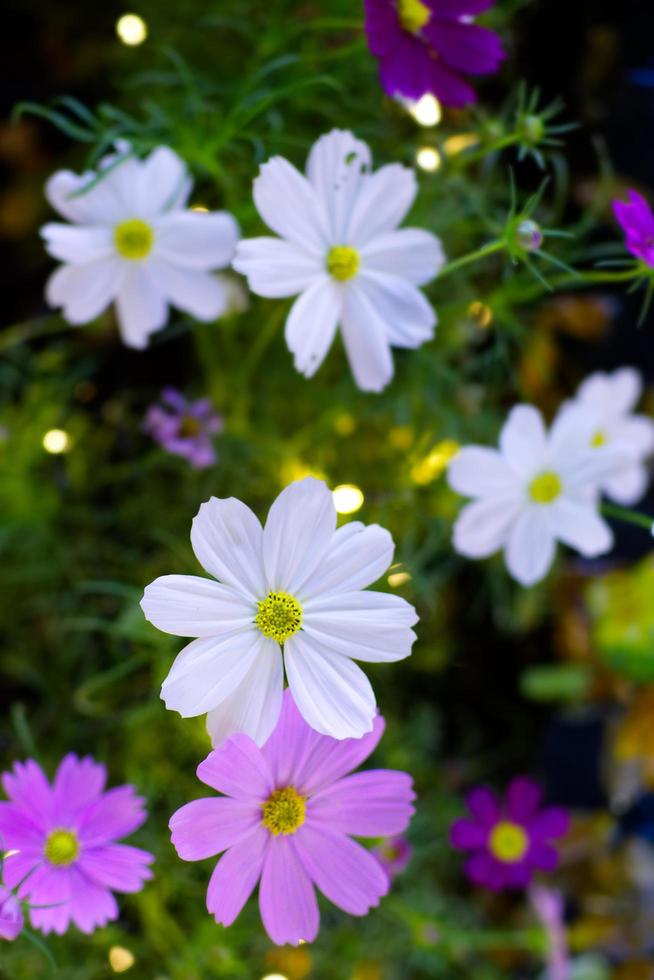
x=65 y=836
x=184 y=428
x=637 y=222
x=508 y=840
x=285 y=820
x=11 y=916
x=394 y=855
x=428 y=46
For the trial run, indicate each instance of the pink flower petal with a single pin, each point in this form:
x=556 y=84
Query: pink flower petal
x=344 y=871
x=77 y=783
x=303 y=758
x=91 y=905
x=117 y=866
x=287 y=899
x=206 y=827
x=27 y=787
x=18 y=831
x=50 y=887
x=376 y=803
x=115 y=814
x=238 y=768
x=17 y=867
x=235 y=876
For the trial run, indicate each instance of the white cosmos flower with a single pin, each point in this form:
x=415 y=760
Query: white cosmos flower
x=294 y=585
x=133 y=241
x=612 y=399
x=536 y=489
x=340 y=250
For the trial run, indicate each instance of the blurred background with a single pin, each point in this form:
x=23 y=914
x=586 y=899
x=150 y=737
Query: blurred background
x=557 y=681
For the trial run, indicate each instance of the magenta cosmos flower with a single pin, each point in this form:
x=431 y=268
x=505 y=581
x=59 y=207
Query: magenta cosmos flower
x=11 y=916
x=637 y=222
x=428 y=46
x=64 y=837
x=394 y=855
x=285 y=819
x=508 y=840
x=184 y=428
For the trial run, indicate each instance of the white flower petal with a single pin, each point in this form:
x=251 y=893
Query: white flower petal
x=187 y=605
x=332 y=693
x=297 y=534
x=523 y=440
x=588 y=469
x=196 y=292
x=311 y=325
x=629 y=486
x=531 y=546
x=410 y=253
x=572 y=431
x=336 y=168
x=370 y=626
x=477 y=471
x=208 y=670
x=635 y=431
x=84 y=291
x=288 y=204
x=275 y=268
x=581 y=527
x=78 y=244
x=408 y=317
x=99 y=205
x=227 y=540
x=164 y=181
x=366 y=341
x=197 y=241
x=140 y=304
x=382 y=204
x=612 y=394
x=254 y=706
x=483 y=527
x=356 y=558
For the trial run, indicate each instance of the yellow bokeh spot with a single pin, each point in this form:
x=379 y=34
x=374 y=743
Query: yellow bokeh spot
x=348 y=498
x=428 y=158
x=397 y=577
x=413 y=14
x=401 y=436
x=508 y=842
x=481 y=314
x=275 y=976
x=133 y=239
x=199 y=208
x=131 y=29
x=56 y=441
x=345 y=424
x=435 y=463
x=427 y=111
x=454 y=145
x=120 y=959
x=295 y=469
x=545 y=488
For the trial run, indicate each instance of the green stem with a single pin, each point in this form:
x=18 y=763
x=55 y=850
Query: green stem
x=629 y=516
x=481 y=253
x=535 y=289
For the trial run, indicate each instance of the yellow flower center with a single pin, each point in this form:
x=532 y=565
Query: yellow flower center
x=283 y=811
x=61 y=847
x=279 y=616
x=599 y=439
x=343 y=262
x=545 y=488
x=189 y=427
x=413 y=15
x=508 y=842
x=133 y=239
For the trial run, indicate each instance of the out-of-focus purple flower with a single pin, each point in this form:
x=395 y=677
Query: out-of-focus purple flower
x=394 y=854
x=428 y=46
x=286 y=818
x=11 y=916
x=508 y=839
x=637 y=221
x=549 y=907
x=185 y=428
x=63 y=836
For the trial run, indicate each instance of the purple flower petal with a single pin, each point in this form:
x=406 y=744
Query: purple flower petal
x=552 y=822
x=18 y=831
x=523 y=798
x=483 y=805
x=344 y=871
x=206 y=827
x=116 y=814
x=235 y=877
x=455 y=9
x=91 y=905
x=50 y=887
x=310 y=761
x=467 y=48
x=77 y=783
x=287 y=899
x=482 y=869
x=117 y=866
x=543 y=856
x=27 y=787
x=466 y=835
x=238 y=768
x=17 y=867
x=11 y=917
x=367 y=804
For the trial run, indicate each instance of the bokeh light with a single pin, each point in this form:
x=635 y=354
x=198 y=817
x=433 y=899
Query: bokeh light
x=428 y=158
x=120 y=959
x=56 y=441
x=427 y=111
x=347 y=498
x=131 y=29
